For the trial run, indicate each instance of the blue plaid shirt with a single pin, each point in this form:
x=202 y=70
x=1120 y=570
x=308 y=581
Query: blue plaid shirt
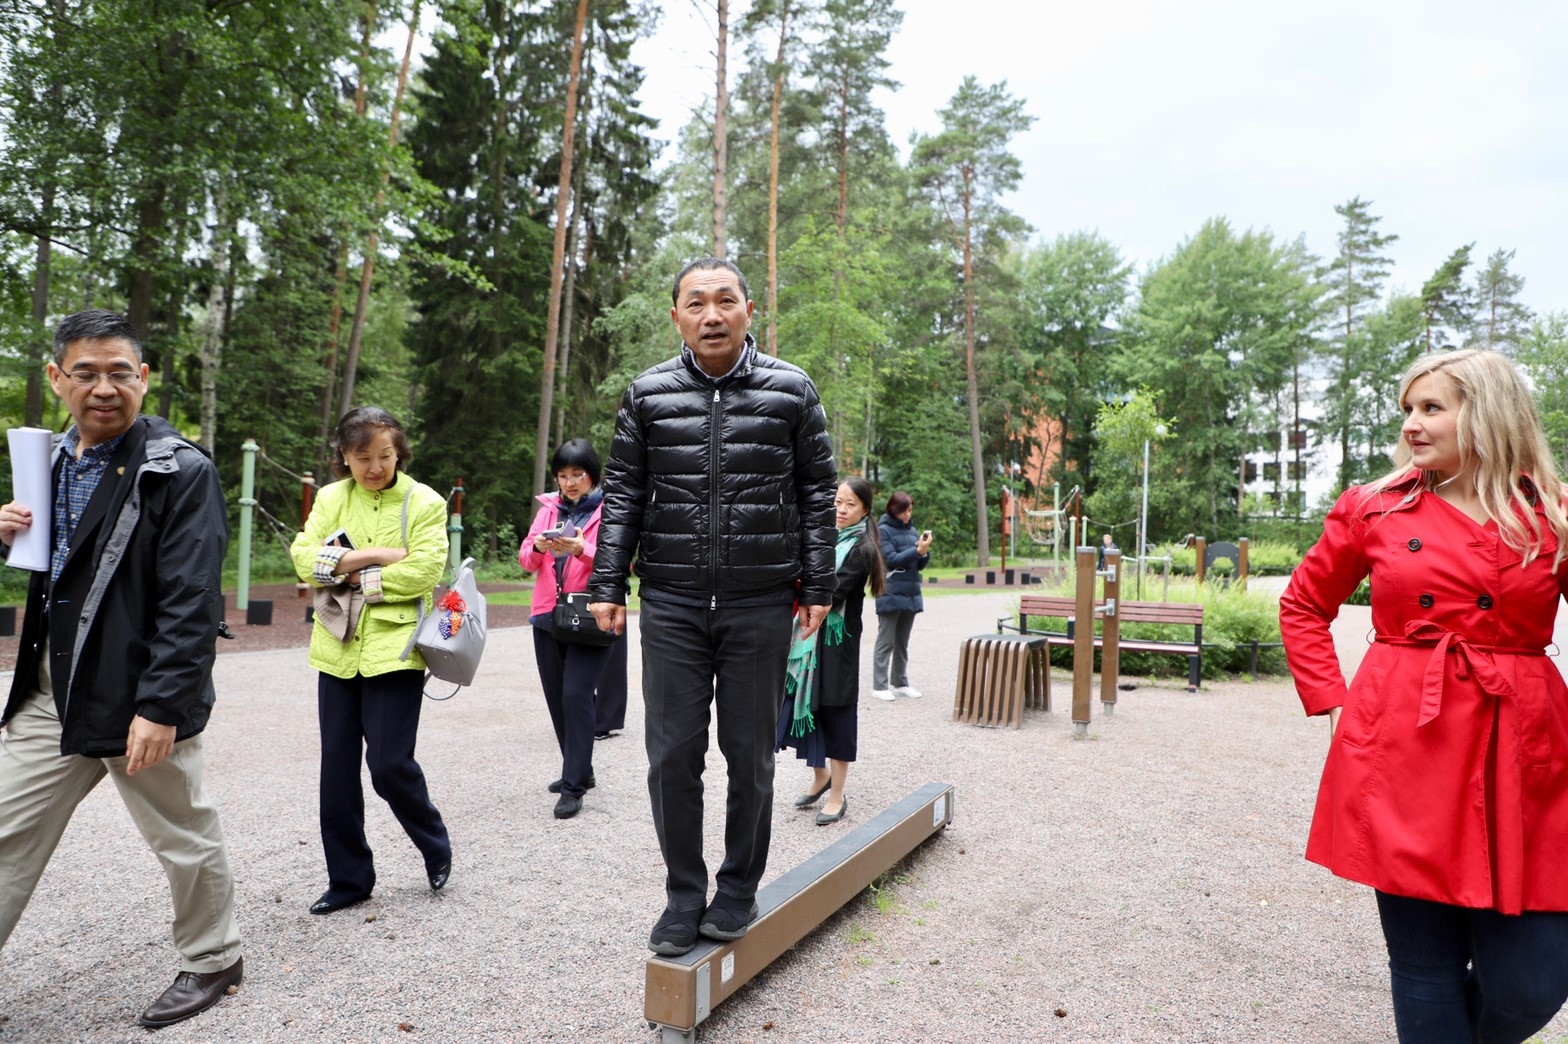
x=77 y=482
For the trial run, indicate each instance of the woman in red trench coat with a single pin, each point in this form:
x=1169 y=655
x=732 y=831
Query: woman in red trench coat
x=1446 y=785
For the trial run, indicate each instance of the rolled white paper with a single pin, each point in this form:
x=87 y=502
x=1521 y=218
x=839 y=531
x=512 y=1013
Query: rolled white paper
x=30 y=486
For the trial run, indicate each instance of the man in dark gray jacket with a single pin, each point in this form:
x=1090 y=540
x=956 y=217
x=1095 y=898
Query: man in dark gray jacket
x=114 y=672
x=720 y=486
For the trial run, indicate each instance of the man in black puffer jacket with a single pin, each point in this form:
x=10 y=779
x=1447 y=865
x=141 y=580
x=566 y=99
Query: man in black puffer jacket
x=720 y=486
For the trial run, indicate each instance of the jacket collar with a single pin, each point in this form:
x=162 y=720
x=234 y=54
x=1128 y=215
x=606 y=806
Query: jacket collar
x=743 y=365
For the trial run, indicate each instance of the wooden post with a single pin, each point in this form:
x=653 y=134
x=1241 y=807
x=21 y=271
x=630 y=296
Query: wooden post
x=1203 y=546
x=1110 y=647
x=307 y=495
x=1083 y=642
x=1241 y=566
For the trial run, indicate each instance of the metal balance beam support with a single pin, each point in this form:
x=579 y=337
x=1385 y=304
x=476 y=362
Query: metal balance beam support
x=682 y=991
x=1110 y=645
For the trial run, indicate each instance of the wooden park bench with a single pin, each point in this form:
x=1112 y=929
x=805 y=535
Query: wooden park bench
x=1063 y=608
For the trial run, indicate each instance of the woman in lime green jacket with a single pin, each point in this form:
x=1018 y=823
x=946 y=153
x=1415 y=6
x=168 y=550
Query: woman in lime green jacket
x=375 y=545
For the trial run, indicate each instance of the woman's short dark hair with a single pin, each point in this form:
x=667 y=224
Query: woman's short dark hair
x=871 y=540
x=899 y=503
x=355 y=430
x=576 y=453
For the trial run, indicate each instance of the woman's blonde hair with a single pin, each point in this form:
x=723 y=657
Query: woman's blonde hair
x=1499 y=430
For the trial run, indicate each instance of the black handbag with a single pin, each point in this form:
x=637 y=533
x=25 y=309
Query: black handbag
x=572 y=622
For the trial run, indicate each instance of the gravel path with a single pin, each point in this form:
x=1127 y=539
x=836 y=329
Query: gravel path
x=1144 y=885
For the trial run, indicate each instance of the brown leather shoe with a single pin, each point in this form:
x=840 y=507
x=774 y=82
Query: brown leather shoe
x=191 y=994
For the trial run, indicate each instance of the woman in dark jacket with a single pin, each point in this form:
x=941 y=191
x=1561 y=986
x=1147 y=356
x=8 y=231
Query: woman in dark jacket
x=819 y=718
x=906 y=552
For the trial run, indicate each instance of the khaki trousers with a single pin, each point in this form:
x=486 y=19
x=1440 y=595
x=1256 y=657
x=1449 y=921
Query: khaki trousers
x=39 y=791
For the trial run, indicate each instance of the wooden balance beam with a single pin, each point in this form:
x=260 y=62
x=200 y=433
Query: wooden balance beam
x=682 y=991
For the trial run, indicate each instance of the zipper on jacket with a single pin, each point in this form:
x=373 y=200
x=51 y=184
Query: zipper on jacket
x=713 y=503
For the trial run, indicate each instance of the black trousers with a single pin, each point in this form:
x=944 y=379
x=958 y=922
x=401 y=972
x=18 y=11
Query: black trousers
x=694 y=659
x=609 y=703
x=379 y=716
x=569 y=673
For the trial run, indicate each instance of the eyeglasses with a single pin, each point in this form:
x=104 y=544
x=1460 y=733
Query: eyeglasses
x=90 y=378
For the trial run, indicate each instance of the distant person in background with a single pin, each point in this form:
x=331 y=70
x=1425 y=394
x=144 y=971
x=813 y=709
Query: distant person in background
x=1107 y=543
x=820 y=718
x=1446 y=784
x=906 y=553
x=376 y=541
x=560 y=547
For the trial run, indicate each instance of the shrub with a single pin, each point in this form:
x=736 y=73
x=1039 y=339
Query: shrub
x=1264 y=558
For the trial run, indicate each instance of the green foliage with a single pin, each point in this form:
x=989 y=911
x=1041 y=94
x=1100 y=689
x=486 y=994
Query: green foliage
x=1353 y=281
x=1073 y=288
x=1501 y=321
x=1447 y=301
x=1121 y=429
x=1264 y=557
x=1544 y=356
x=1216 y=332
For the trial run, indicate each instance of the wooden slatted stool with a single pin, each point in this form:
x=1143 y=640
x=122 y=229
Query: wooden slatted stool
x=998 y=676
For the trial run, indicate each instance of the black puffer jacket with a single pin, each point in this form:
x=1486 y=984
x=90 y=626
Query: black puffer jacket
x=721 y=490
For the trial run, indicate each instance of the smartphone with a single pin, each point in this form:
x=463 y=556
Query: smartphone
x=554 y=534
x=925 y=534
x=340 y=538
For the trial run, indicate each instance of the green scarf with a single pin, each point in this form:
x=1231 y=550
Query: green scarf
x=801 y=674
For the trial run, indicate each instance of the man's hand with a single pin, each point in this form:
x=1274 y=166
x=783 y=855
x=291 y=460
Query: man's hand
x=14 y=517
x=810 y=618
x=609 y=616
x=147 y=744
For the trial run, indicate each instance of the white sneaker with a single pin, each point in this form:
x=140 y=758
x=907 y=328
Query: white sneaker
x=907 y=692
x=882 y=694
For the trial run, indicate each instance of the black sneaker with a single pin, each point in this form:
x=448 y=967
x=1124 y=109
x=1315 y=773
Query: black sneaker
x=727 y=917
x=556 y=785
x=568 y=806
x=674 y=933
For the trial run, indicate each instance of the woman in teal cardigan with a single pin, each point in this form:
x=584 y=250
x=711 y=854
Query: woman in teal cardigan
x=375 y=547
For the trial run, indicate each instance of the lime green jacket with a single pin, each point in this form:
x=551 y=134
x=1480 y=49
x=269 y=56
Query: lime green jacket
x=374 y=518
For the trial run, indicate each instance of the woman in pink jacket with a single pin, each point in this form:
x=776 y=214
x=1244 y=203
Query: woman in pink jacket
x=560 y=548
x=1446 y=784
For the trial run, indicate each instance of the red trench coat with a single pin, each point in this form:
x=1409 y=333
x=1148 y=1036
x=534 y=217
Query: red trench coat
x=1448 y=776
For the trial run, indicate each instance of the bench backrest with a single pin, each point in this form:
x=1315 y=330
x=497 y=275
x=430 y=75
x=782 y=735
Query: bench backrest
x=1061 y=607
x=1048 y=605
x=1190 y=613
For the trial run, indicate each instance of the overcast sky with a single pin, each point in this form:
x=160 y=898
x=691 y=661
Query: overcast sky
x=1152 y=117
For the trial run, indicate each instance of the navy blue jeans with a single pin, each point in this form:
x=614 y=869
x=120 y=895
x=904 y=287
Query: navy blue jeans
x=1463 y=976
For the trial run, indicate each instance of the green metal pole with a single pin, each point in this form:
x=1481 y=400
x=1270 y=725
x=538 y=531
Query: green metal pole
x=247 y=508
x=454 y=528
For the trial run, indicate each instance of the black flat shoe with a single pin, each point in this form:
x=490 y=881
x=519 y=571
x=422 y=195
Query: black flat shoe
x=823 y=819
x=568 y=806
x=807 y=800
x=556 y=785
x=439 y=875
x=326 y=904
